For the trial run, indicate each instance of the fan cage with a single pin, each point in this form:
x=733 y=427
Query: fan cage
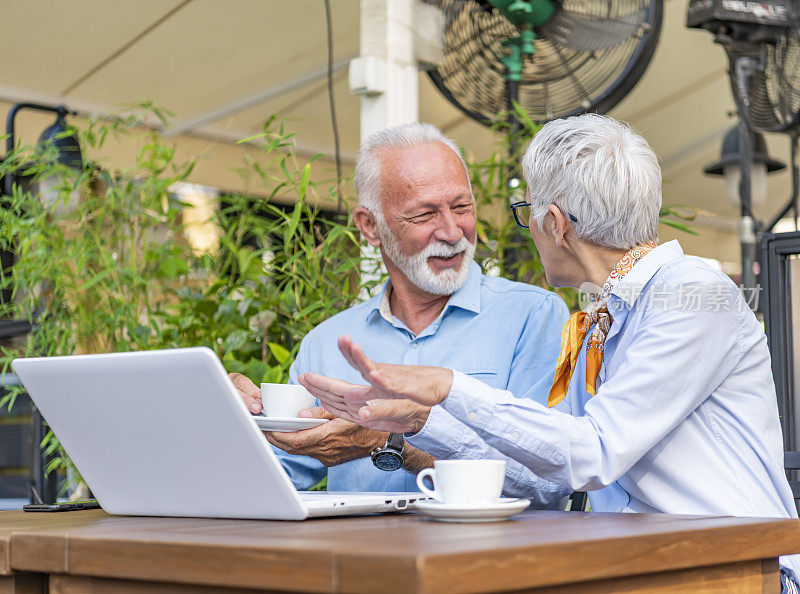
x=773 y=92
x=556 y=81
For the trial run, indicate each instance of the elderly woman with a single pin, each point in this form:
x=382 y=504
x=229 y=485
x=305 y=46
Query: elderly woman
x=662 y=399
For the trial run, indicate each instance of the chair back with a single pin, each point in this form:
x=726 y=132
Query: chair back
x=791 y=462
x=16 y=448
x=578 y=501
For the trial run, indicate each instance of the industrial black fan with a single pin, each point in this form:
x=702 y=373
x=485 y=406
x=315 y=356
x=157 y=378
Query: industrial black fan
x=762 y=40
x=554 y=58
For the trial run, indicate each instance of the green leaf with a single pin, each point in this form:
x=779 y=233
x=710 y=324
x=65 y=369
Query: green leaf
x=322 y=485
x=53 y=465
x=294 y=221
x=306 y=175
x=274 y=375
x=280 y=353
x=235 y=340
x=250 y=138
x=256 y=370
x=173 y=267
x=226 y=311
x=310 y=309
x=96 y=279
x=680 y=226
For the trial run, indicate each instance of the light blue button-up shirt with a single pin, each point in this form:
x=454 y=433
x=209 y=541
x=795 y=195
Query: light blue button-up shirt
x=503 y=333
x=685 y=420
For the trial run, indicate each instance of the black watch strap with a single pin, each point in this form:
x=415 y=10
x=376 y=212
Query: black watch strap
x=395 y=441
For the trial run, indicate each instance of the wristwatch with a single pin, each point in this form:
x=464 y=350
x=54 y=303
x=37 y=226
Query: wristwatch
x=390 y=456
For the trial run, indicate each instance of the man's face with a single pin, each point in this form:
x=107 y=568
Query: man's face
x=429 y=214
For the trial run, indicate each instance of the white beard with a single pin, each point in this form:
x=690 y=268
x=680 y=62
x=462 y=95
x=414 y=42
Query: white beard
x=417 y=269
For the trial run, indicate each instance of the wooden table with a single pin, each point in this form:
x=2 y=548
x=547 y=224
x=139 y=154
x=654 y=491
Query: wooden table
x=92 y=552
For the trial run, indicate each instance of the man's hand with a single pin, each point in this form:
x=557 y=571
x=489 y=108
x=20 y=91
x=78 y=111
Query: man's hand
x=398 y=398
x=248 y=392
x=339 y=441
x=332 y=443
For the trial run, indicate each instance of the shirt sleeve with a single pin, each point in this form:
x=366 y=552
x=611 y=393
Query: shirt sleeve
x=445 y=437
x=531 y=375
x=676 y=358
x=304 y=471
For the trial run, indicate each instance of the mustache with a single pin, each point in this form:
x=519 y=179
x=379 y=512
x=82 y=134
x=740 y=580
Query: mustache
x=442 y=249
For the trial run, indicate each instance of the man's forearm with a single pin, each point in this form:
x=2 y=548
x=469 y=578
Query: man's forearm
x=415 y=460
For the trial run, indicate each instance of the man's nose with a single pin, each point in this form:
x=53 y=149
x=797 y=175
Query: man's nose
x=447 y=229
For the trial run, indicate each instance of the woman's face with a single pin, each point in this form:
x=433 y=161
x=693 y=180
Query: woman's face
x=561 y=268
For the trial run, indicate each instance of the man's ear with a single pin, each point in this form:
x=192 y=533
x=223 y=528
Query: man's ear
x=557 y=226
x=365 y=221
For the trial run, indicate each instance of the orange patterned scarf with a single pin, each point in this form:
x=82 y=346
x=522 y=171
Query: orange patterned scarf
x=578 y=326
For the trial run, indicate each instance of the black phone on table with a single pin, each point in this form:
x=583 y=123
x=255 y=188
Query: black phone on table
x=60 y=507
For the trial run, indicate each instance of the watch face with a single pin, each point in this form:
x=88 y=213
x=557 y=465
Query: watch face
x=388 y=461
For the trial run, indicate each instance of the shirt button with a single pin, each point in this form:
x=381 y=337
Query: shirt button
x=515 y=435
x=414 y=345
x=472 y=416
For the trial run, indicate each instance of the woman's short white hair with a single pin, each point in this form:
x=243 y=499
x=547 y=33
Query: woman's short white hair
x=367 y=176
x=599 y=171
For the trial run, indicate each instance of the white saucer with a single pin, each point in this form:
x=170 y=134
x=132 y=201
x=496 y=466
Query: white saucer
x=503 y=509
x=286 y=424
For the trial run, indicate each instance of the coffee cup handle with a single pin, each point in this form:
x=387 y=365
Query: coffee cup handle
x=427 y=472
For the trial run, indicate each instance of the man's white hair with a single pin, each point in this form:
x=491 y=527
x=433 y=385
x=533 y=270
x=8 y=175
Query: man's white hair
x=599 y=171
x=367 y=175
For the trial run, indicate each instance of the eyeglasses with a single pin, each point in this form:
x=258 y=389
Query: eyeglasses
x=522 y=214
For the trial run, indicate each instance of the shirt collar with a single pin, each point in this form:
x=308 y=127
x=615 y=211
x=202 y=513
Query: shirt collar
x=384 y=308
x=468 y=297
x=632 y=284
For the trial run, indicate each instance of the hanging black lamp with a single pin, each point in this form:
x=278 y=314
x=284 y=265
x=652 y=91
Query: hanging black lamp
x=729 y=165
x=64 y=141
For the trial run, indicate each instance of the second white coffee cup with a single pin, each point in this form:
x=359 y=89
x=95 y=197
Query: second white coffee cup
x=464 y=482
x=285 y=400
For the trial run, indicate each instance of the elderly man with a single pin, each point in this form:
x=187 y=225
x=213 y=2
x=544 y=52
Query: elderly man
x=664 y=384
x=416 y=206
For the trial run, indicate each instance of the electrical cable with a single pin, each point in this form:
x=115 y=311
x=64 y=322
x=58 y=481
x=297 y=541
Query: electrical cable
x=334 y=125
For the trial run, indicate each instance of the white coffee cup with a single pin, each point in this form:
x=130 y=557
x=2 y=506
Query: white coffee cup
x=285 y=400
x=464 y=482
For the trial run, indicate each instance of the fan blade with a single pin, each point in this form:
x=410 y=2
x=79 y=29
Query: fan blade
x=589 y=34
x=760 y=109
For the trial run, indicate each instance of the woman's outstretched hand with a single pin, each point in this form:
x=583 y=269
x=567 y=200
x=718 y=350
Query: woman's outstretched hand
x=397 y=399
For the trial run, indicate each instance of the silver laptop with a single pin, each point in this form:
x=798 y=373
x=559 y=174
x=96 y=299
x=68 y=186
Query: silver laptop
x=164 y=433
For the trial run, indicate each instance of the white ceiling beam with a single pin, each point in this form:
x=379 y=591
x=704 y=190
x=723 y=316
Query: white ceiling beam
x=11 y=94
x=254 y=99
x=714 y=222
x=228 y=136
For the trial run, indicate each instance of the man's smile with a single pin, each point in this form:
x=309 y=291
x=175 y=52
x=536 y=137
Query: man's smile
x=446 y=262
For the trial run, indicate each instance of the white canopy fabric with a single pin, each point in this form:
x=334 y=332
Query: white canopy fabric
x=224 y=67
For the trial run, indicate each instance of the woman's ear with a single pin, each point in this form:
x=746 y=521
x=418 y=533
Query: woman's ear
x=558 y=224
x=367 y=225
